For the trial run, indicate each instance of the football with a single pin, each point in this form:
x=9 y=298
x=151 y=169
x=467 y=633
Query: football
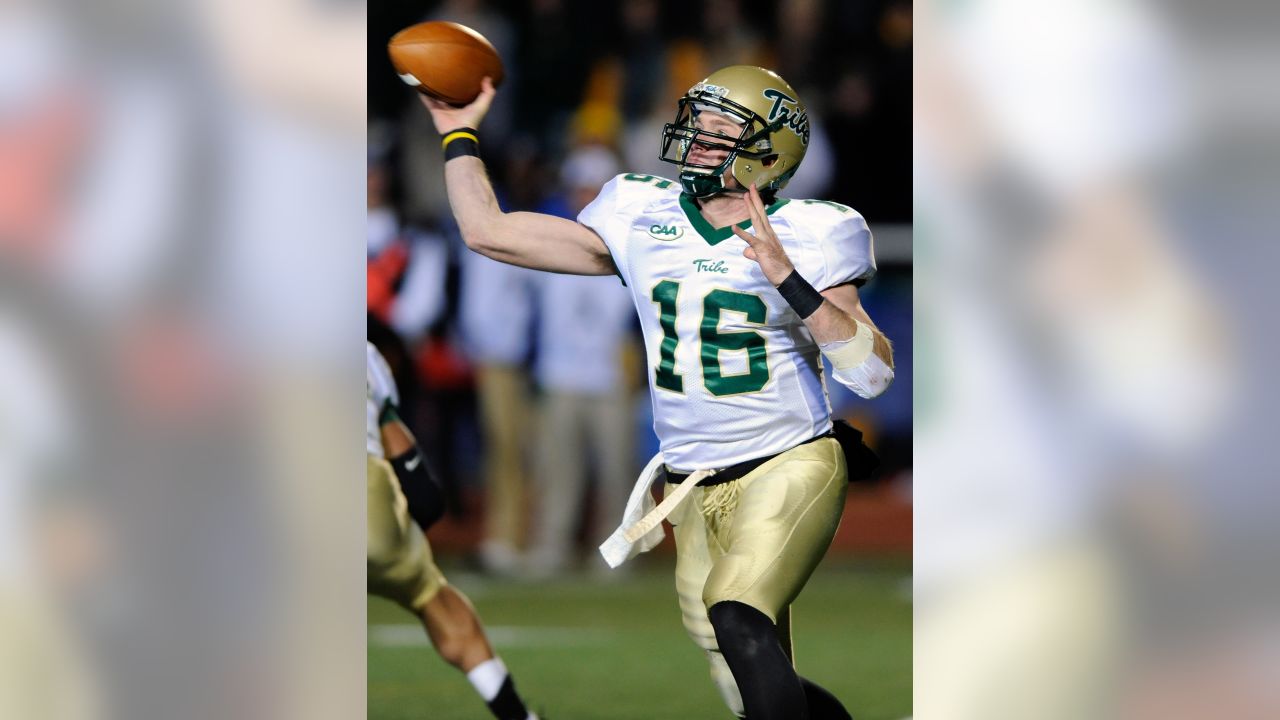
x=444 y=60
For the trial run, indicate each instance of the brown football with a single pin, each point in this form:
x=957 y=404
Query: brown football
x=444 y=60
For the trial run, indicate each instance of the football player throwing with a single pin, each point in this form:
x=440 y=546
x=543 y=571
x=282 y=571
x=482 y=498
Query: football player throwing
x=738 y=293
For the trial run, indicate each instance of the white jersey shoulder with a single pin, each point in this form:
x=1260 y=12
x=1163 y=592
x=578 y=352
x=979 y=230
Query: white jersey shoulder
x=627 y=193
x=837 y=246
x=623 y=201
x=380 y=389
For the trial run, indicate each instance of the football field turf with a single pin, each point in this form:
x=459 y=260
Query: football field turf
x=581 y=649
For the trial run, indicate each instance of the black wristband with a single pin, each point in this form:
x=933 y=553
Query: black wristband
x=460 y=142
x=800 y=295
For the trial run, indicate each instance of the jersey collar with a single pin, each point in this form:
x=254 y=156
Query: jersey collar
x=714 y=235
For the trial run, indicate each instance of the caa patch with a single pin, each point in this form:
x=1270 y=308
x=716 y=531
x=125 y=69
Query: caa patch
x=665 y=232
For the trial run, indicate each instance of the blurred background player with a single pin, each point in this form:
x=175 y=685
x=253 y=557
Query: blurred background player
x=586 y=401
x=744 y=417
x=403 y=500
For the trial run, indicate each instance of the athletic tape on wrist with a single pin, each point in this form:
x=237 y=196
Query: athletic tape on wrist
x=845 y=354
x=856 y=366
x=800 y=295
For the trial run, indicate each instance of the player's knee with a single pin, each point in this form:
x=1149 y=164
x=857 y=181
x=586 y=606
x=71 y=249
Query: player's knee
x=741 y=630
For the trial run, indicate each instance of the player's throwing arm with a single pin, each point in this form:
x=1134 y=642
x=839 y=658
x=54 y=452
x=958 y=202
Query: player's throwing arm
x=531 y=240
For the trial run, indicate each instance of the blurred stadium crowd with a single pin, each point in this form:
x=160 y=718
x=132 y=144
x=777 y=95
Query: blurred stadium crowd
x=534 y=381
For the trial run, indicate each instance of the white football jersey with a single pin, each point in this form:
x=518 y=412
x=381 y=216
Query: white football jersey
x=380 y=387
x=734 y=373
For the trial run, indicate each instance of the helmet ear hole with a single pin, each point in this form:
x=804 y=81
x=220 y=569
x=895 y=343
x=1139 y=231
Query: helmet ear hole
x=769 y=160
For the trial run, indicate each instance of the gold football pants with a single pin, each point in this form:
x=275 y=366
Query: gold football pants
x=756 y=540
x=400 y=566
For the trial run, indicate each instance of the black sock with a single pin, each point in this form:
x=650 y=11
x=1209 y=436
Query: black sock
x=822 y=704
x=770 y=688
x=506 y=705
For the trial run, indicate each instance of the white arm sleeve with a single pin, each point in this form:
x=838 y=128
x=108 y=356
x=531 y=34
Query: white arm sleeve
x=380 y=384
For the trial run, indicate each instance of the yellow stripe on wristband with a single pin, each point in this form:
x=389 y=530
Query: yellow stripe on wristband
x=455 y=135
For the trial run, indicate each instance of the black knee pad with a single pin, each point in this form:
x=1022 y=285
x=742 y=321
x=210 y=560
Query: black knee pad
x=741 y=630
x=748 y=639
x=421 y=488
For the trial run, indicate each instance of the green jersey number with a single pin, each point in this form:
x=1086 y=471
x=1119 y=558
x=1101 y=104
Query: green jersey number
x=713 y=341
x=665 y=294
x=837 y=206
x=660 y=183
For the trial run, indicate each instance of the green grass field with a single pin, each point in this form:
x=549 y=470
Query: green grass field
x=581 y=649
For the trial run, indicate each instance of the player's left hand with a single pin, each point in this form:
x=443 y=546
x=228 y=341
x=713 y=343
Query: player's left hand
x=763 y=246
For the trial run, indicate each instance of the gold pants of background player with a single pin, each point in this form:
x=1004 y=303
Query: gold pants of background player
x=400 y=566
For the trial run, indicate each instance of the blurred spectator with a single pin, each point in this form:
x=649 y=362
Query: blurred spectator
x=800 y=46
x=727 y=37
x=496 y=311
x=643 y=52
x=554 y=73
x=587 y=402
x=642 y=139
x=406 y=268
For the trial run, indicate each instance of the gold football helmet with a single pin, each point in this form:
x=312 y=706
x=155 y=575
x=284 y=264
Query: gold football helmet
x=767 y=150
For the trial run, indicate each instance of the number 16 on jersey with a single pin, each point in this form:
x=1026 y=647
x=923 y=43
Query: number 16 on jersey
x=714 y=341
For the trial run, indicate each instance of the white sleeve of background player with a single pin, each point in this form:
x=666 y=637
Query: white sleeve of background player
x=602 y=217
x=848 y=251
x=381 y=384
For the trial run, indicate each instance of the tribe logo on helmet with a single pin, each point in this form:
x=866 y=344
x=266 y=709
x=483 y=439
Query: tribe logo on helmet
x=784 y=108
x=798 y=122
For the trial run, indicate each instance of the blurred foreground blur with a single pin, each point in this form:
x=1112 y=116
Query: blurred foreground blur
x=1094 y=188
x=180 y=244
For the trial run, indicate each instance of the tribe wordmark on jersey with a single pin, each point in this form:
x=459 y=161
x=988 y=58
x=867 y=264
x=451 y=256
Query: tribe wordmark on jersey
x=735 y=374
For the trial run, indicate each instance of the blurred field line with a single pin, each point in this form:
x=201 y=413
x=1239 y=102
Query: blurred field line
x=506 y=636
